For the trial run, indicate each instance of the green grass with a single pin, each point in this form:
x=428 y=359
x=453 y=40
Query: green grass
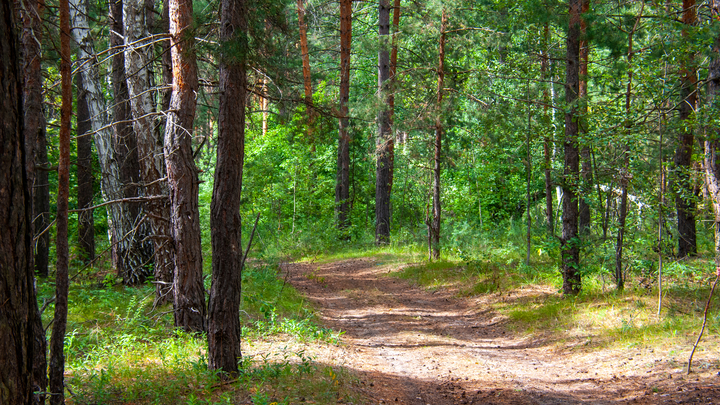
x=121 y=351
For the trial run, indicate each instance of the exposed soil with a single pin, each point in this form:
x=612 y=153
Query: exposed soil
x=408 y=345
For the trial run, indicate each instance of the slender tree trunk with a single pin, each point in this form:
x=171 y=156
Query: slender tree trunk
x=625 y=169
x=712 y=141
x=548 y=128
x=166 y=58
x=57 y=357
x=342 y=183
x=86 y=223
x=225 y=293
x=684 y=194
x=436 y=209
x=384 y=142
x=570 y=249
x=138 y=58
x=584 y=217
x=189 y=293
x=18 y=314
x=110 y=182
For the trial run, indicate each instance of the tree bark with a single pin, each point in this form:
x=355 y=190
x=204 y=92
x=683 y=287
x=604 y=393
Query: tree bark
x=188 y=290
x=18 y=314
x=684 y=193
x=57 y=357
x=437 y=145
x=225 y=293
x=151 y=164
x=393 y=86
x=342 y=182
x=384 y=142
x=570 y=249
x=712 y=141
x=86 y=223
x=307 y=78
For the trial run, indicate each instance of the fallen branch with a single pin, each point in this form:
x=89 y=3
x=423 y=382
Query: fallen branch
x=707 y=308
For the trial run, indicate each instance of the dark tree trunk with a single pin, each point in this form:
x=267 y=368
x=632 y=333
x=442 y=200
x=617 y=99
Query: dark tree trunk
x=134 y=254
x=86 y=223
x=225 y=293
x=166 y=59
x=18 y=314
x=584 y=217
x=148 y=151
x=384 y=142
x=41 y=205
x=684 y=193
x=57 y=357
x=548 y=140
x=437 y=145
x=570 y=249
x=188 y=290
x=342 y=183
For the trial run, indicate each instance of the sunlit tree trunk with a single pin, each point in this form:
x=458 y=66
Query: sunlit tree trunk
x=86 y=223
x=342 y=182
x=18 y=314
x=57 y=357
x=684 y=190
x=570 y=249
x=437 y=145
x=384 y=142
x=712 y=140
x=138 y=52
x=224 y=307
x=188 y=290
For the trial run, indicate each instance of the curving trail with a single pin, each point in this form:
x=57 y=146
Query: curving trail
x=412 y=346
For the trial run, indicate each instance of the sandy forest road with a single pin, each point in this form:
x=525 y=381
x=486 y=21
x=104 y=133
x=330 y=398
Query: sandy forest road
x=412 y=346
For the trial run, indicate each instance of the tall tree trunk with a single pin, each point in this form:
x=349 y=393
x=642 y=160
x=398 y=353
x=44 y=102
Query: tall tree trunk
x=225 y=292
x=166 y=58
x=584 y=217
x=57 y=357
x=18 y=314
x=437 y=144
x=570 y=249
x=37 y=180
x=547 y=140
x=712 y=140
x=684 y=193
x=625 y=169
x=138 y=58
x=188 y=290
x=307 y=78
x=110 y=181
x=86 y=223
x=342 y=182
x=384 y=142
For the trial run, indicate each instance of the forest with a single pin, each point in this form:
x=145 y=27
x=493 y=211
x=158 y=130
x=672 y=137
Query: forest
x=284 y=202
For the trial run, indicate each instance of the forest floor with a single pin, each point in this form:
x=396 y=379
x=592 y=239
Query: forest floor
x=407 y=345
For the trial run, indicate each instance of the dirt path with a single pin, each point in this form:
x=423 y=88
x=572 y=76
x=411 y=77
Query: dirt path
x=411 y=346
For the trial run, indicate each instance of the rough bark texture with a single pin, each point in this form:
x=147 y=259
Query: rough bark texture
x=225 y=292
x=19 y=310
x=684 y=193
x=138 y=58
x=57 y=357
x=712 y=142
x=570 y=249
x=437 y=145
x=86 y=223
x=166 y=59
x=585 y=165
x=547 y=140
x=188 y=290
x=384 y=142
x=342 y=182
